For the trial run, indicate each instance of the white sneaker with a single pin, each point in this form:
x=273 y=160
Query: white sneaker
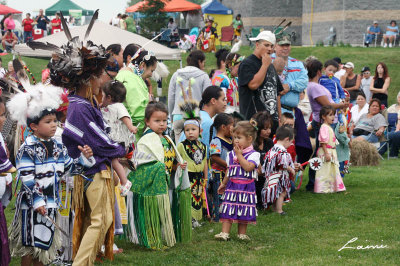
x=390 y=45
x=222 y=236
x=385 y=45
x=244 y=237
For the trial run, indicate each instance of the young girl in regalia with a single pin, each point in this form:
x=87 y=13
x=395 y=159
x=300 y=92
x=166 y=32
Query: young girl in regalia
x=194 y=152
x=159 y=203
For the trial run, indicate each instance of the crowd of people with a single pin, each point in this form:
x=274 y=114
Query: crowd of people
x=102 y=158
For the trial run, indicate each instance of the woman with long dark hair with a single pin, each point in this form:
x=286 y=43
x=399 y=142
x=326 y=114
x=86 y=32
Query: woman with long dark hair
x=380 y=83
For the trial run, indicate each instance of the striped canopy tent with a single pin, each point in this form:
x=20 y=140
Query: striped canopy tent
x=65 y=6
x=170 y=6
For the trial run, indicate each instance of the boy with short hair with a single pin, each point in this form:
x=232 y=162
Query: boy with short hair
x=332 y=83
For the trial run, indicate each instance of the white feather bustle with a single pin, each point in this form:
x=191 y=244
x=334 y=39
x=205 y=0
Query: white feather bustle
x=31 y=103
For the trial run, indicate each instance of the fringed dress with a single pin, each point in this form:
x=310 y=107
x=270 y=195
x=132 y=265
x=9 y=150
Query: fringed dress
x=277 y=180
x=159 y=202
x=195 y=154
x=40 y=164
x=328 y=178
x=239 y=199
x=5 y=196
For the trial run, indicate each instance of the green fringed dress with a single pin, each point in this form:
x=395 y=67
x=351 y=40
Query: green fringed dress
x=159 y=203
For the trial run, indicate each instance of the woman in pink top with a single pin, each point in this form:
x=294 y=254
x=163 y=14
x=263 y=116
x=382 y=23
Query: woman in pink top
x=9 y=23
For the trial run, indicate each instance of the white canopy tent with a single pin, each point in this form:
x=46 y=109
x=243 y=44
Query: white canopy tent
x=104 y=34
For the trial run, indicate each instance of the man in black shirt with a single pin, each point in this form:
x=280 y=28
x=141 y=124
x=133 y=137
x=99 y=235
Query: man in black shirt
x=259 y=84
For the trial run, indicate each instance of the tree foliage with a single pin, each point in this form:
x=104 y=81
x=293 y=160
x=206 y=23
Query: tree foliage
x=133 y=2
x=153 y=20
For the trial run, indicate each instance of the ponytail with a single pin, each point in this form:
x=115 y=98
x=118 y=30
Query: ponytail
x=220 y=120
x=211 y=92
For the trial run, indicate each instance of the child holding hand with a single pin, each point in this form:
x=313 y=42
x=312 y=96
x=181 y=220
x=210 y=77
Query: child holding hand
x=238 y=187
x=278 y=167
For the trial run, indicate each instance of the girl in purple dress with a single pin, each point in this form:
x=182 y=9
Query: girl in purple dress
x=238 y=187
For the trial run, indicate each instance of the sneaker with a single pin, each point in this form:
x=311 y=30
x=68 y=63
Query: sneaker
x=390 y=45
x=244 y=237
x=385 y=45
x=222 y=236
x=126 y=188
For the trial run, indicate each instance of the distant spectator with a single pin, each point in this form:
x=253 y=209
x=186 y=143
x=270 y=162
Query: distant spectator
x=130 y=24
x=122 y=23
x=365 y=82
x=394 y=131
x=351 y=81
x=391 y=32
x=360 y=108
x=380 y=83
x=9 y=23
x=185 y=43
x=42 y=22
x=237 y=25
x=172 y=26
x=341 y=70
x=9 y=40
x=115 y=21
x=372 y=32
x=27 y=23
x=56 y=23
x=3 y=29
x=370 y=126
x=71 y=22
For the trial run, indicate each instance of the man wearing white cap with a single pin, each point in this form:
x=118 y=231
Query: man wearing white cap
x=259 y=84
x=373 y=32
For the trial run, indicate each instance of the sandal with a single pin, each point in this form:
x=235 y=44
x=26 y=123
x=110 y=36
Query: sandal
x=222 y=236
x=126 y=188
x=244 y=237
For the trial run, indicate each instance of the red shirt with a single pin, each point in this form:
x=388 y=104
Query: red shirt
x=56 y=27
x=27 y=24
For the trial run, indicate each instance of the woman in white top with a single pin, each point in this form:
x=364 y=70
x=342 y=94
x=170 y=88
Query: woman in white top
x=360 y=108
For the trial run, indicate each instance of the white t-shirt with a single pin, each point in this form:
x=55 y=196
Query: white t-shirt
x=112 y=115
x=340 y=73
x=115 y=22
x=365 y=83
x=356 y=112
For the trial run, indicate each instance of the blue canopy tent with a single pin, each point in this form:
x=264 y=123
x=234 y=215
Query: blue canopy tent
x=216 y=7
x=222 y=15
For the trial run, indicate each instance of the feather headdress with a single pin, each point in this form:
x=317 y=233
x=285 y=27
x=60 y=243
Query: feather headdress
x=189 y=108
x=74 y=63
x=37 y=100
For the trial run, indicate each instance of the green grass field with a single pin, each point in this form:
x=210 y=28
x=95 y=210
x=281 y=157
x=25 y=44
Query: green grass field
x=316 y=226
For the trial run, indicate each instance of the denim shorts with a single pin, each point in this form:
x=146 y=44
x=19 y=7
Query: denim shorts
x=371 y=138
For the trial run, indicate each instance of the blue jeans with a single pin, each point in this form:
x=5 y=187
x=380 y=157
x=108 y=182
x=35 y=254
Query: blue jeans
x=28 y=36
x=214 y=182
x=369 y=38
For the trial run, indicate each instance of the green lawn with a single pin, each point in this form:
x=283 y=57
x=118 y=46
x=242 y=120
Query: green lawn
x=316 y=226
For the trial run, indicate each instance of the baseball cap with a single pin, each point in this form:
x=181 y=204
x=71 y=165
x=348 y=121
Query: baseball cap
x=349 y=65
x=265 y=35
x=285 y=39
x=375 y=22
x=366 y=68
x=338 y=60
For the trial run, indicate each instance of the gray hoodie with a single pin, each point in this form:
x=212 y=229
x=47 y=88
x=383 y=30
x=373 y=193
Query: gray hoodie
x=202 y=81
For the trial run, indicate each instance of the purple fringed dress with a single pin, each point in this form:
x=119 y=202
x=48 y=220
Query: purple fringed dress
x=239 y=199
